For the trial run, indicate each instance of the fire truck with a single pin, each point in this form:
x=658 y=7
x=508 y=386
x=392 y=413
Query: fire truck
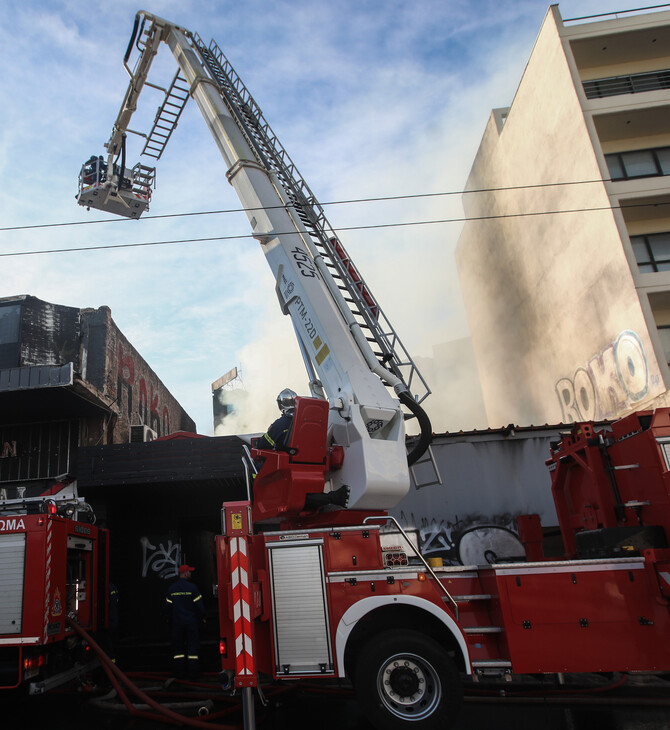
x=312 y=589
x=54 y=570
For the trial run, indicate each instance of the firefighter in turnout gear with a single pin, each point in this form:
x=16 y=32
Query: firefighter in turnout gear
x=185 y=612
x=278 y=434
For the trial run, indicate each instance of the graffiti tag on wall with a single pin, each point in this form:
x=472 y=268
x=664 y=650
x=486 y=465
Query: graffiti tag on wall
x=133 y=396
x=163 y=560
x=491 y=539
x=613 y=380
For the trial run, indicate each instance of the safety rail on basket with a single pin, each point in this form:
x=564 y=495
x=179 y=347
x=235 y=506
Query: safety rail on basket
x=249 y=469
x=415 y=550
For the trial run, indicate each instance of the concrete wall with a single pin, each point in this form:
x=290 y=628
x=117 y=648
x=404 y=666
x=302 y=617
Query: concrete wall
x=557 y=326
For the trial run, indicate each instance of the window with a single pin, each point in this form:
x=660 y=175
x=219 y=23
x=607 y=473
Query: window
x=639 y=163
x=10 y=323
x=664 y=334
x=652 y=252
x=10 y=334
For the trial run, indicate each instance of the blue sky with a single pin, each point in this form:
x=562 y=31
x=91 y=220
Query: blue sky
x=370 y=99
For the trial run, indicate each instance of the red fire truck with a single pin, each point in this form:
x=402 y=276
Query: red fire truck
x=54 y=568
x=324 y=595
x=312 y=590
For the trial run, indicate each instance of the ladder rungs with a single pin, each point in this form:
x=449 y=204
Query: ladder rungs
x=483 y=630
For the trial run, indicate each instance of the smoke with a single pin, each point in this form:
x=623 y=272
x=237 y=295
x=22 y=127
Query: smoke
x=266 y=366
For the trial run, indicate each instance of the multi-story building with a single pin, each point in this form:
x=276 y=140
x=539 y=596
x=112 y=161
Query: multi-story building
x=565 y=261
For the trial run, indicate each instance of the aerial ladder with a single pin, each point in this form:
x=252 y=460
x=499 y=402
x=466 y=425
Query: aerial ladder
x=353 y=356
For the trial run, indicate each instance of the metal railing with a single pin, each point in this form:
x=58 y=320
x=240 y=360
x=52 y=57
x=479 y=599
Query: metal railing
x=416 y=551
x=617 y=13
x=630 y=84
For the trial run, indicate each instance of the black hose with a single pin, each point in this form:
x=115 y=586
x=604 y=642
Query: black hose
x=424 y=424
x=132 y=38
x=123 y=159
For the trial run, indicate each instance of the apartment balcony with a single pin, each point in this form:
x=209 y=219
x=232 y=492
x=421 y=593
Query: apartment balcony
x=625 y=47
x=628 y=84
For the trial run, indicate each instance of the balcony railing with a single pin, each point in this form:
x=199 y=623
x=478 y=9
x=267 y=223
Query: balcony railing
x=631 y=84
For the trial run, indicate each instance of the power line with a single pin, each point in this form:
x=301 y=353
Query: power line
x=338 y=230
x=331 y=202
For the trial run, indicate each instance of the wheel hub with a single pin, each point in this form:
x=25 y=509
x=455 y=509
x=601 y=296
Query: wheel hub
x=409 y=686
x=404 y=680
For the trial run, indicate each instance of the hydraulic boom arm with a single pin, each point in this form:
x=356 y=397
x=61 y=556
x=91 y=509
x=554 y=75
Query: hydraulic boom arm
x=333 y=312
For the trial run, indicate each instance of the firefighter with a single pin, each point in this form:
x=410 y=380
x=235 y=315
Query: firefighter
x=278 y=434
x=185 y=612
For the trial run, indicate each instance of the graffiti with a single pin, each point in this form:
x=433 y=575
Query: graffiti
x=148 y=408
x=125 y=381
x=435 y=539
x=613 y=380
x=160 y=559
x=9 y=450
x=494 y=537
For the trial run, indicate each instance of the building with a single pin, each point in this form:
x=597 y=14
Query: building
x=565 y=261
x=488 y=478
x=69 y=378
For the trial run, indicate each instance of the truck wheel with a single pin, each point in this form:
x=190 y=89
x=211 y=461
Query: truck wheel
x=404 y=679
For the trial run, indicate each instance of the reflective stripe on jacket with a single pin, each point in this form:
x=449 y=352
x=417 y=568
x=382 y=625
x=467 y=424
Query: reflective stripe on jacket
x=184 y=602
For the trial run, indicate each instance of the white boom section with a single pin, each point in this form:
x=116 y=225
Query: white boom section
x=364 y=417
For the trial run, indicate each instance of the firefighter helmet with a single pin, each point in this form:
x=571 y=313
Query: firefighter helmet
x=286 y=400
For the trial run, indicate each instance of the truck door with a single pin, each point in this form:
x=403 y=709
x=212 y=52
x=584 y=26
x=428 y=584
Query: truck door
x=12 y=559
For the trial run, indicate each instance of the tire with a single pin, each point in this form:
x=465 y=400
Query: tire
x=404 y=679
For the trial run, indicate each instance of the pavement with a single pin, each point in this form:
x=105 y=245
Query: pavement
x=637 y=704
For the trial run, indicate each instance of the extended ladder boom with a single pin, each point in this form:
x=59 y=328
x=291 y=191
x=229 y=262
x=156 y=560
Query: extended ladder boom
x=351 y=352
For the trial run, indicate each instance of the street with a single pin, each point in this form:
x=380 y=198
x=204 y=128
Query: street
x=305 y=707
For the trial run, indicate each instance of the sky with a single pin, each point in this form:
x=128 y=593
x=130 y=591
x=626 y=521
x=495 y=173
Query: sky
x=370 y=98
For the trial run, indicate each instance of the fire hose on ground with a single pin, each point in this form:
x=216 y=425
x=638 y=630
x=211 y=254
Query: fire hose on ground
x=124 y=686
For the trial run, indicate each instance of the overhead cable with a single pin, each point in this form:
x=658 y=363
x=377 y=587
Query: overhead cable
x=336 y=230
x=410 y=196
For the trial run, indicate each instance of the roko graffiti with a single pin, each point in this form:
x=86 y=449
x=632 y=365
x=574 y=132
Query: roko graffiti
x=613 y=380
x=135 y=396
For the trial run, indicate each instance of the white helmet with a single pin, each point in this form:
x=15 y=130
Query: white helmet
x=286 y=400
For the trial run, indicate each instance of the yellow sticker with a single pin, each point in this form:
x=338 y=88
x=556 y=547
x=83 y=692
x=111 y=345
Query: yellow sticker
x=236 y=520
x=323 y=354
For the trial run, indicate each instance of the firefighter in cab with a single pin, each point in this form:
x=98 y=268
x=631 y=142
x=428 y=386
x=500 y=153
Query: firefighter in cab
x=185 y=612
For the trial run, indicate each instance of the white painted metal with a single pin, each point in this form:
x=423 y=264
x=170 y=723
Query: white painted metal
x=375 y=467
x=12 y=559
x=363 y=607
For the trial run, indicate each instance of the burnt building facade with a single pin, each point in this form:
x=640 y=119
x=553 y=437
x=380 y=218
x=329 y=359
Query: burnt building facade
x=70 y=378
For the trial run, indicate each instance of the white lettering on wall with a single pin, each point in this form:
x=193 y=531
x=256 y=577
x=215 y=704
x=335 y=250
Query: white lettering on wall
x=614 y=380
